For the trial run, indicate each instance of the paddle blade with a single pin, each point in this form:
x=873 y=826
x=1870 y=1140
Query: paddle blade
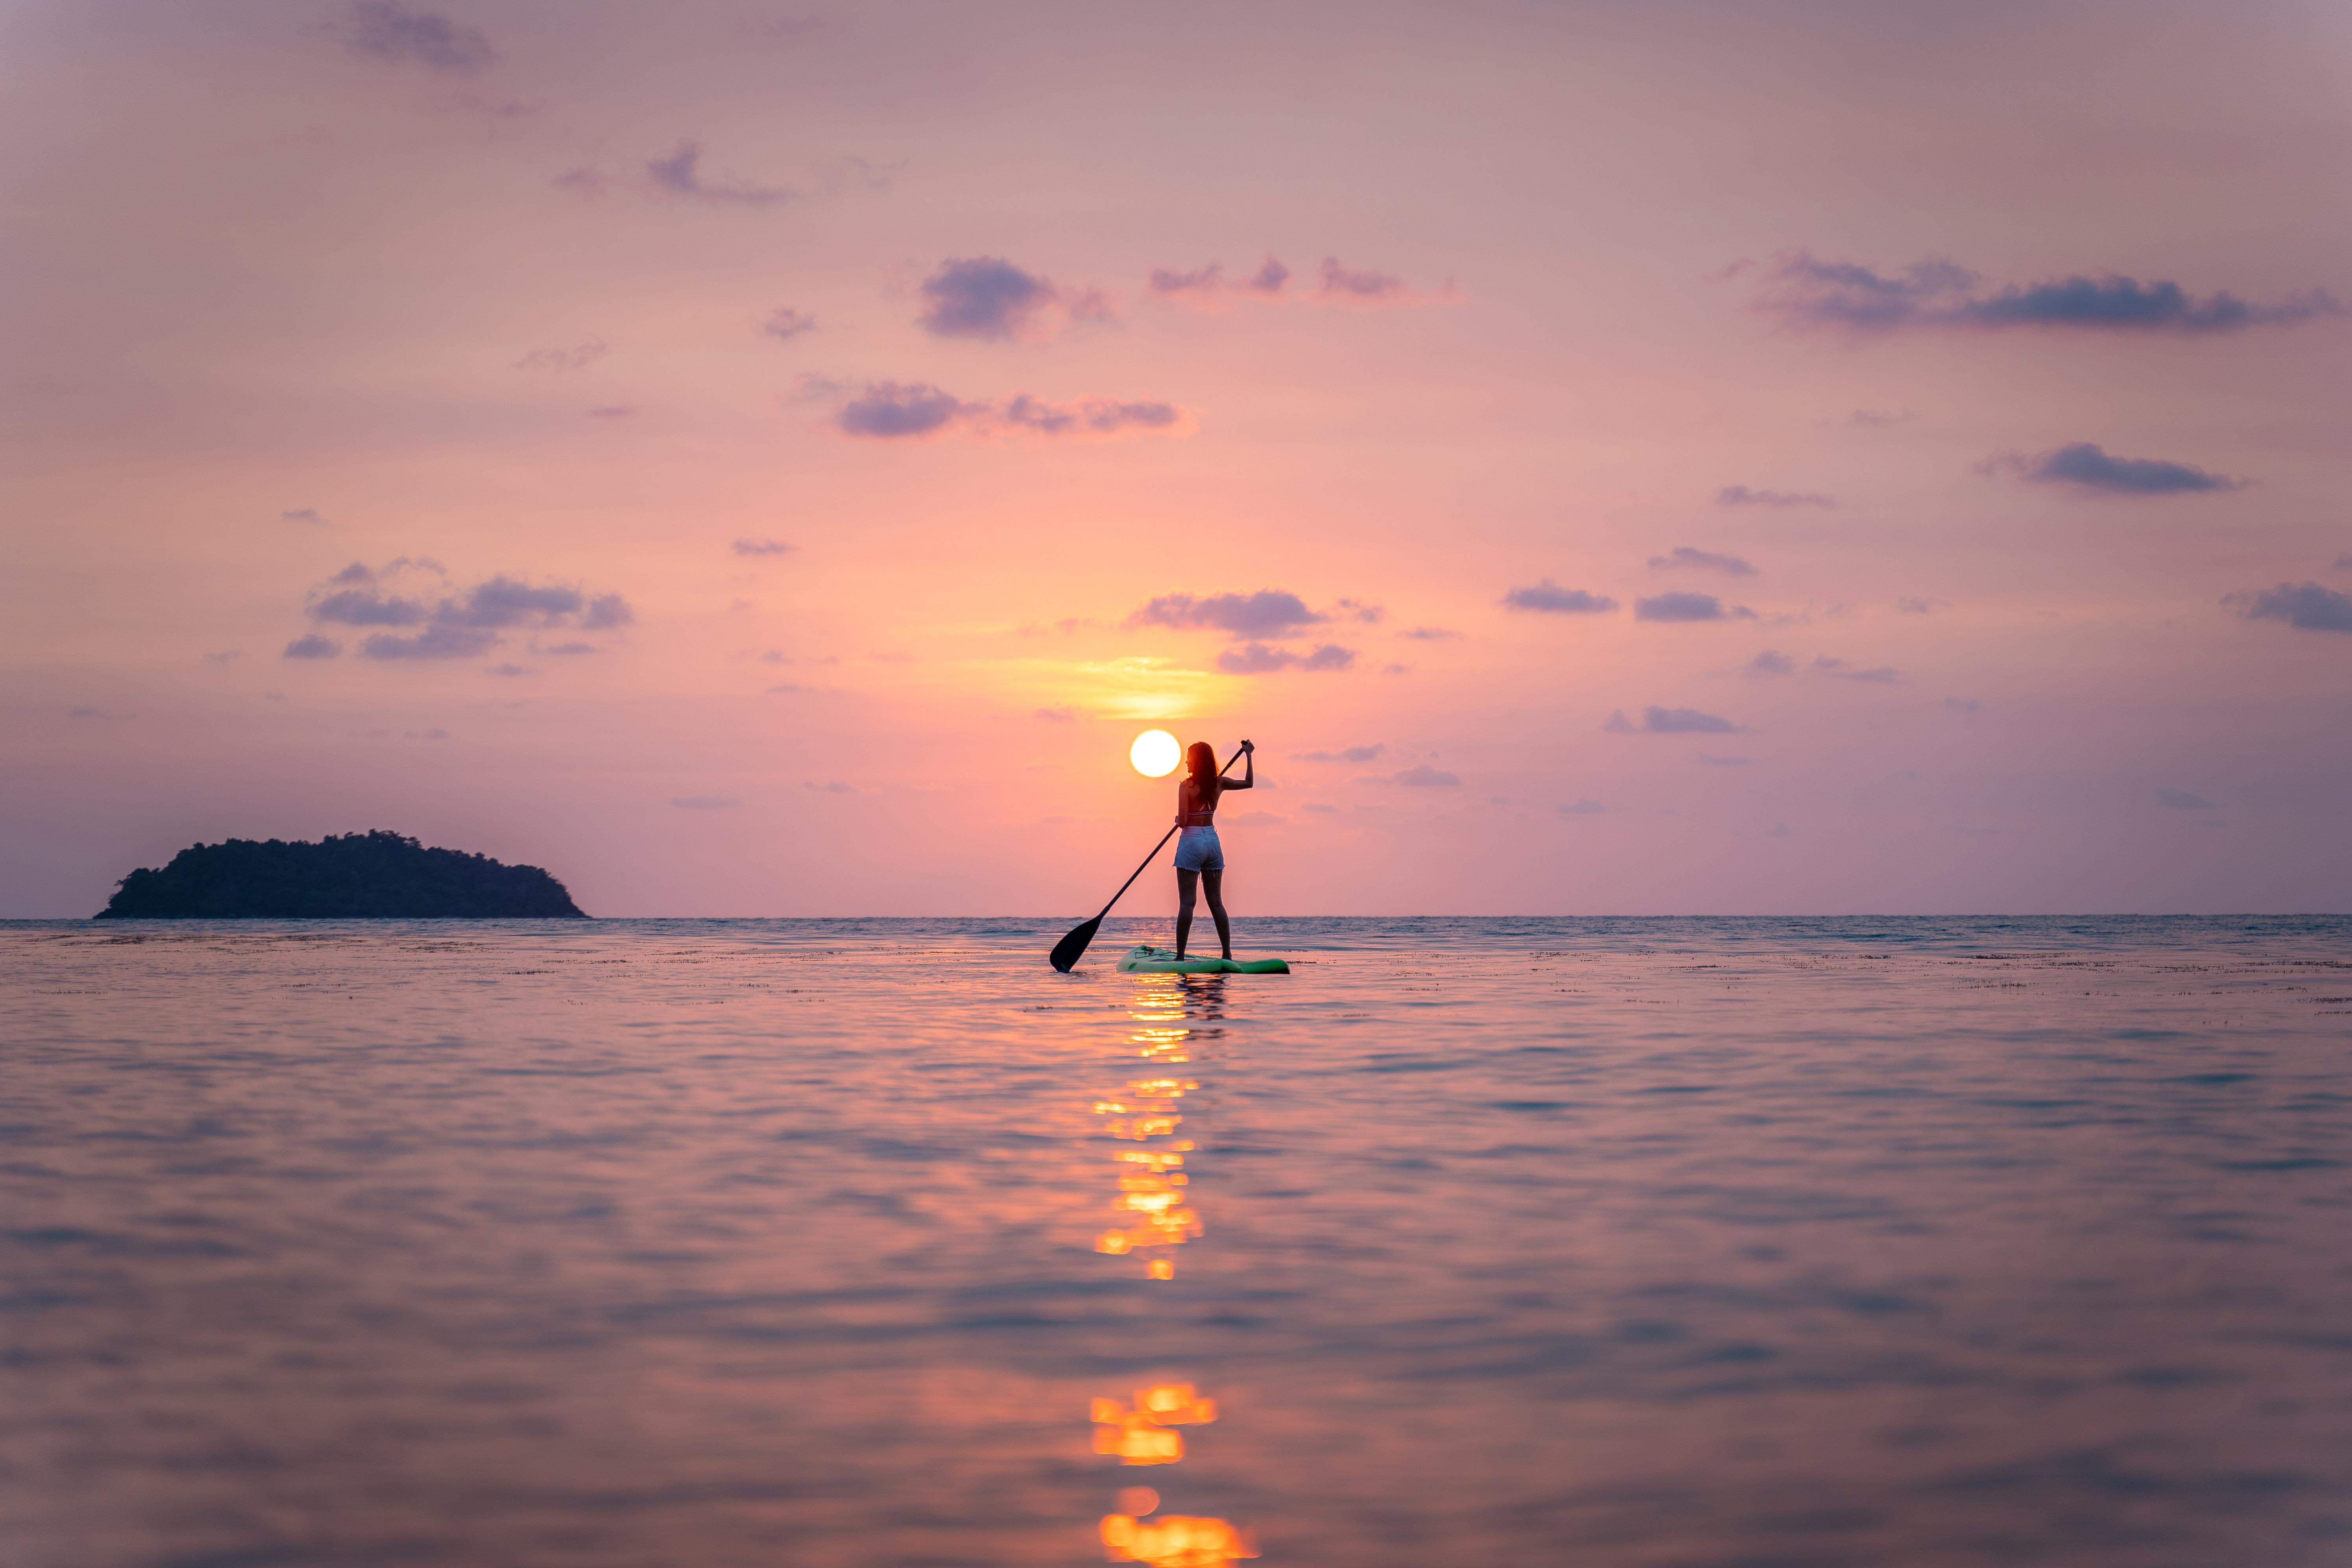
x=1073 y=947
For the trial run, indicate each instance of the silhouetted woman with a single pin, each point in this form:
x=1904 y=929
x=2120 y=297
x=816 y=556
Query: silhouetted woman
x=1199 y=857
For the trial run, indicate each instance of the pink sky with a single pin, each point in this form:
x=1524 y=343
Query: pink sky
x=2015 y=326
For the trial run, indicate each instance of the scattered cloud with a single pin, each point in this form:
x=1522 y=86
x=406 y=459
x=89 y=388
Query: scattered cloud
x=761 y=547
x=1740 y=495
x=2341 y=563
x=1423 y=776
x=1336 y=283
x=2305 y=606
x=1964 y=704
x=1319 y=806
x=509 y=669
x=1685 y=558
x=889 y=410
x=1257 y=659
x=1056 y=715
x=1671 y=721
x=680 y=175
x=1428 y=634
x=302 y=514
x=1772 y=663
x=1345 y=754
x=410 y=593
x=1358 y=284
x=1688 y=608
x=1844 y=671
x=703 y=802
x=567 y=649
x=1805 y=291
x=394 y=32
x=1268 y=613
x=2086 y=467
x=580 y=356
x=1916 y=606
x=989 y=297
x=1206 y=282
x=787 y=322
x=836 y=788
x=1582 y=808
x=613 y=411
x=1726 y=761
x=1548 y=598
x=2182 y=800
x=1873 y=418
x=227 y=656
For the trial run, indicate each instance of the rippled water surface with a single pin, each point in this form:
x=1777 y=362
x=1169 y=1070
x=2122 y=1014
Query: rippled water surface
x=698 y=1244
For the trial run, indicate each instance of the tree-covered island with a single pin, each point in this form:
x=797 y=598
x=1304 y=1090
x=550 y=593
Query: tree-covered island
x=359 y=875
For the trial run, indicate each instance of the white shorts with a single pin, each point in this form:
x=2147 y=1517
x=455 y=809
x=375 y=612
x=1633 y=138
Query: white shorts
x=1197 y=849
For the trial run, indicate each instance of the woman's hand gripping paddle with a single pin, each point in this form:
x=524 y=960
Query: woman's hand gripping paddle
x=1073 y=947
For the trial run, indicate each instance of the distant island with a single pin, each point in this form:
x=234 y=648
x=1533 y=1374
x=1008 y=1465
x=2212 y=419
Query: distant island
x=359 y=875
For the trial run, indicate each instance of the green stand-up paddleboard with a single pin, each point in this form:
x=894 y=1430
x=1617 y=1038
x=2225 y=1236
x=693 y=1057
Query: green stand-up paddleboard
x=1160 y=961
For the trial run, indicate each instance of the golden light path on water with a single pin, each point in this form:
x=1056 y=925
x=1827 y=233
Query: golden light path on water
x=1155 y=1218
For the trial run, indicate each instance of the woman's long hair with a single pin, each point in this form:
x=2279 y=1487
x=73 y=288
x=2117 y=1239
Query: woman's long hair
x=1200 y=761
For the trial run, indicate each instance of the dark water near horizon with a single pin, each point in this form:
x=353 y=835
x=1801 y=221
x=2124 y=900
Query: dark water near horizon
x=1614 y=1243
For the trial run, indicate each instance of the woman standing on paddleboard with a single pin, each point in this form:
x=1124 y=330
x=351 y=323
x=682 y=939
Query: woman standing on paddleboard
x=1200 y=858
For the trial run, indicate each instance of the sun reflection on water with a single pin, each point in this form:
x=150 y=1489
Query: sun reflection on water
x=1154 y=1218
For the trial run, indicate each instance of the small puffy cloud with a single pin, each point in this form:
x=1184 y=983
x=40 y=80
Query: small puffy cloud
x=1336 y=284
x=703 y=802
x=1740 y=495
x=1345 y=754
x=2182 y=800
x=227 y=656
x=1428 y=634
x=509 y=669
x=2306 y=607
x=1582 y=808
x=580 y=356
x=1670 y=722
x=787 y=322
x=1805 y=291
x=1423 y=776
x=2087 y=469
x=567 y=649
x=1964 y=704
x=1093 y=415
x=462 y=625
x=302 y=514
x=393 y=32
x=2341 y=563
x=1548 y=598
x=1772 y=663
x=761 y=547
x=1844 y=671
x=1688 y=608
x=680 y=175
x=836 y=788
x=888 y=410
x=1918 y=606
x=1268 y=613
x=1684 y=557
x=1357 y=285
x=989 y=297
x=1257 y=659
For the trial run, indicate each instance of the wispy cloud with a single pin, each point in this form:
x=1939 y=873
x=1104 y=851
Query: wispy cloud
x=2306 y=607
x=1258 y=658
x=1803 y=290
x=1582 y=808
x=1428 y=634
x=1345 y=754
x=1772 y=663
x=1549 y=598
x=1335 y=283
x=1688 y=608
x=680 y=175
x=2182 y=800
x=1208 y=282
x=1423 y=776
x=1670 y=722
x=1963 y=704
x=1839 y=670
x=579 y=356
x=2084 y=468
x=406 y=593
x=1918 y=607
x=1740 y=495
x=890 y=410
x=787 y=322
x=703 y=802
x=393 y=32
x=761 y=547
x=312 y=646
x=302 y=514
x=1684 y=558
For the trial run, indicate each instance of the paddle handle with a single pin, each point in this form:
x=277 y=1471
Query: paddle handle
x=1156 y=848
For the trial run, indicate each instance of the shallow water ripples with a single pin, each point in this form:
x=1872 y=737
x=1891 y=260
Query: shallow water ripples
x=1618 y=1243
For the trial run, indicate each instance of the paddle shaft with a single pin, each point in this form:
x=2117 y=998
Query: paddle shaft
x=1156 y=848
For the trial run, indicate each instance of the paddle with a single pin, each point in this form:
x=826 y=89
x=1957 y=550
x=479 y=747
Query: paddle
x=1073 y=947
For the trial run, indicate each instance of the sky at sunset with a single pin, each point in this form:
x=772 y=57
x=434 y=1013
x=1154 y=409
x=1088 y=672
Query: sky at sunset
x=1613 y=458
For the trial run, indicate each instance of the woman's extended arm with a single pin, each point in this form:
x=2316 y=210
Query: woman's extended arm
x=1249 y=770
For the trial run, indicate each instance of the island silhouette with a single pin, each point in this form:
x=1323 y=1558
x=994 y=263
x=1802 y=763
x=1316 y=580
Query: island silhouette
x=357 y=875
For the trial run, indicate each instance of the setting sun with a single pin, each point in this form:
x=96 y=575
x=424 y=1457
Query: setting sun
x=1155 y=754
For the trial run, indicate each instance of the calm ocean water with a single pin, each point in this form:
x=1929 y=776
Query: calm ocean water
x=1620 y=1244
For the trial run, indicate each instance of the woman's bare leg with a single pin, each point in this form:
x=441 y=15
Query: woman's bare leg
x=1185 y=882
x=1216 y=883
